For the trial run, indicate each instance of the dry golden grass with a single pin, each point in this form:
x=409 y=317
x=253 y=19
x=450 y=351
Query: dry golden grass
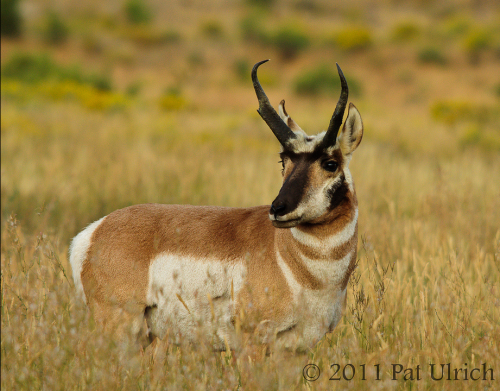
x=429 y=263
x=427 y=287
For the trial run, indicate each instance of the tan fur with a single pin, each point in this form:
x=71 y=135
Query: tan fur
x=116 y=268
x=335 y=253
x=293 y=257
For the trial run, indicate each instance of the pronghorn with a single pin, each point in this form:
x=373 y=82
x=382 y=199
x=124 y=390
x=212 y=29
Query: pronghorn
x=180 y=268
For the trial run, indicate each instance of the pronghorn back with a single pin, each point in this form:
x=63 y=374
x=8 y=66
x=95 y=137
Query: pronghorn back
x=204 y=271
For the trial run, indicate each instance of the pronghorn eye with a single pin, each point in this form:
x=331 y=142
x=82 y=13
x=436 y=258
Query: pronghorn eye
x=331 y=166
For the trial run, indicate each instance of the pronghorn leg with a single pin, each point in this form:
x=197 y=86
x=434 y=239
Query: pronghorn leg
x=122 y=321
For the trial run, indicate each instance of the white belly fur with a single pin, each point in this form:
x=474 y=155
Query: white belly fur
x=202 y=284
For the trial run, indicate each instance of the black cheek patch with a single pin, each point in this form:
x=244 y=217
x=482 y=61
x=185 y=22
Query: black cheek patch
x=338 y=193
x=293 y=189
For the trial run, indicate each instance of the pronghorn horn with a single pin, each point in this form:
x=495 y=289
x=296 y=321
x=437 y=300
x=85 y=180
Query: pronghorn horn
x=281 y=130
x=333 y=129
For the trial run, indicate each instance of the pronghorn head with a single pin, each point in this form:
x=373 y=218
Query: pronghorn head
x=316 y=177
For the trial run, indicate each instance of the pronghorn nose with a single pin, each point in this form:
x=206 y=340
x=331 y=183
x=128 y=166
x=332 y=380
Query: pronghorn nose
x=275 y=209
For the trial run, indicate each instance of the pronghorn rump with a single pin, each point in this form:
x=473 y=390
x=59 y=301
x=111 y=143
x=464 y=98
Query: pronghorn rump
x=279 y=271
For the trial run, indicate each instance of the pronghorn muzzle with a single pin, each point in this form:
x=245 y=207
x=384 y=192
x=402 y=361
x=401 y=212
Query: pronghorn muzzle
x=290 y=196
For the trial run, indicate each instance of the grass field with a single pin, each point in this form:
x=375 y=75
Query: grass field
x=161 y=109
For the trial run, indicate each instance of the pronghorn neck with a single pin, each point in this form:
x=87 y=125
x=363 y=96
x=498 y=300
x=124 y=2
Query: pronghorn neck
x=323 y=238
x=344 y=209
x=321 y=256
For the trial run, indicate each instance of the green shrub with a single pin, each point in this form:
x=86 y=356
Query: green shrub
x=212 y=29
x=172 y=100
x=86 y=95
x=453 y=111
x=137 y=11
x=457 y=26
x=471 y=136
x=196 y=58
x=10 y=18
x=35 y=68
x=242 y=68
x=30 y=68
x=289 y=40
x=92 y=43
x=56 y=31
x=99 y=81
x=353 y=38
x=261 y=3
x=476 y=42
x=252 y=29
x=496 y=90
x=307 y=5
x=450 y=112
x=475 y=135
x=405 y=32
x=150 y=36
x=431 y=55
x=323 y=80
x=406 y=76
x=133 y=88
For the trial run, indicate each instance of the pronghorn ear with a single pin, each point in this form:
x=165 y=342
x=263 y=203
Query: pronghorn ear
x=287 y=119
x=352 y=133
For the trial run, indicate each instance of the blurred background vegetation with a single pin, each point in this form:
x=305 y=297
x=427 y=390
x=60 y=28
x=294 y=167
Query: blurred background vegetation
x=110 y=103
x=425 y=74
